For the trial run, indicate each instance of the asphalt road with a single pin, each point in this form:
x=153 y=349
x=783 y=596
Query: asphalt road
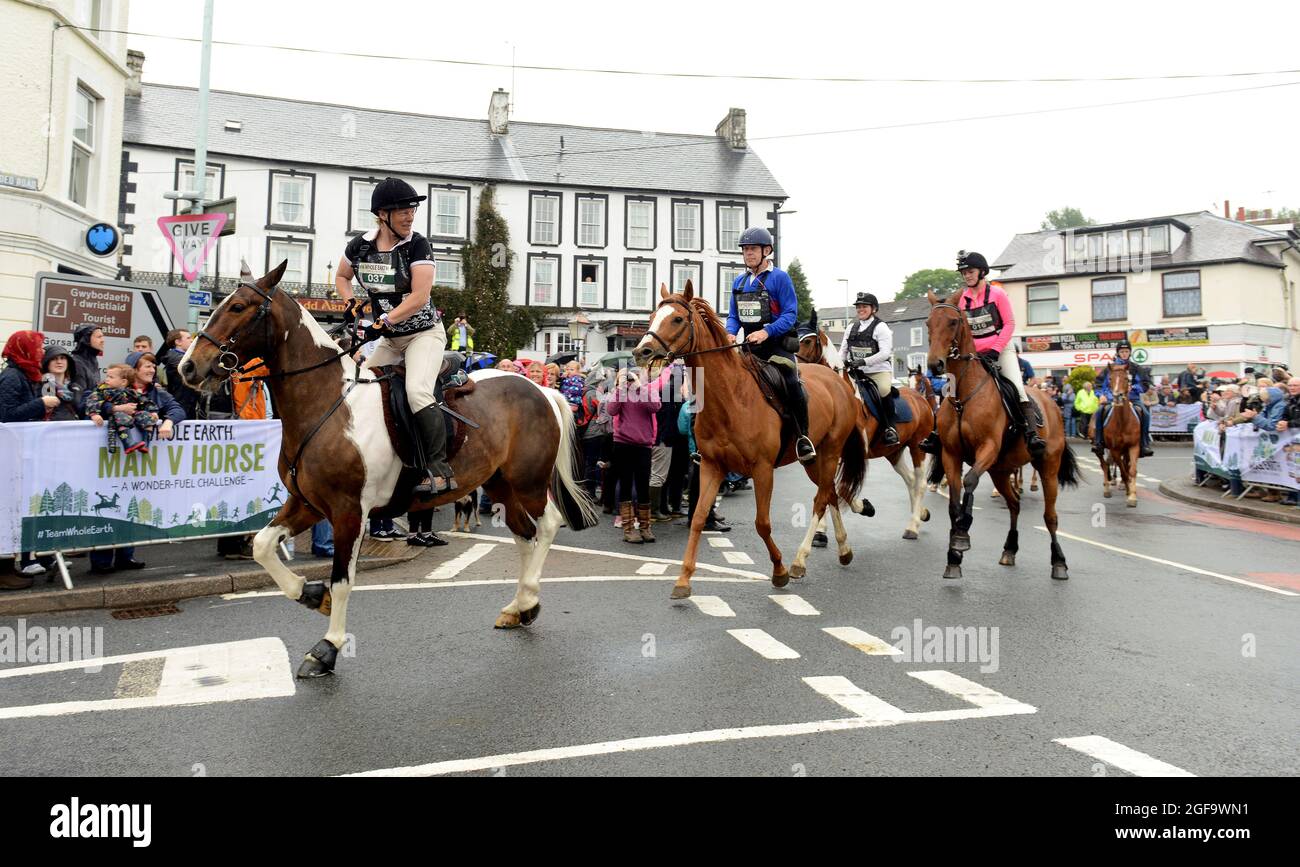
x=1154 y=658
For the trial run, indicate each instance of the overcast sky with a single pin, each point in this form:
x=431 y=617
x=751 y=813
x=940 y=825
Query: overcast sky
x=872 y=206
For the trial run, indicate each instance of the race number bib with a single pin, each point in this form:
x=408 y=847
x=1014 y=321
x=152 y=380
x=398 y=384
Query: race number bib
x=377 y=276
x=750 y=311
x=859 y=353
x=981 y=322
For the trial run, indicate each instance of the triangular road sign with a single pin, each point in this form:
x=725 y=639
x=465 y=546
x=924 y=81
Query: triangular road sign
x=192 y=237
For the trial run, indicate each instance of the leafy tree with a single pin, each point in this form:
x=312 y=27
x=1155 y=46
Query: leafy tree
x=146 y=511
x=35 y=504
x=485 y=300
x=249 y=510
x=63 y=498
x=212 y=513
x=1081 y=374
x=942 y=281
x=800 y=281
x=1066 y=218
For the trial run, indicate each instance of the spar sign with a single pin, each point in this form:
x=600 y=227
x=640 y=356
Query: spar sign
x=191 y=238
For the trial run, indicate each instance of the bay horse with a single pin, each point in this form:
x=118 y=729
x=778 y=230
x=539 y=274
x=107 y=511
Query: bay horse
x=737 y=430
x=338 y=461
x=973 y=428
x=1122 y=436
x=910 y=436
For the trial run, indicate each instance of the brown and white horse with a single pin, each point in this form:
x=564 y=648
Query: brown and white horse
x=814 y=350
x=1122 y=436
x=736 y=430
x=338 y=461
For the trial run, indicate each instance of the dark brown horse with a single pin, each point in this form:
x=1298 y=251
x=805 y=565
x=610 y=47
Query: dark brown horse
x=973 y=428
x=813 y=350
x=338 y=461
x=737 y=430
x=1122 y=436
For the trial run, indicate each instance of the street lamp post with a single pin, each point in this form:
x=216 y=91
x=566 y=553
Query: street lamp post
x=579 y=326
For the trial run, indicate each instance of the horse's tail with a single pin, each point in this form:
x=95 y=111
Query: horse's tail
x=1068 y=472
x=853 y=467
x=566 y=489
x=935 y=474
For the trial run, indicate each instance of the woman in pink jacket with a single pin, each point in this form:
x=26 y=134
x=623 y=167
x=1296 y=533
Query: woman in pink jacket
x=988 y=310
x=632 y=406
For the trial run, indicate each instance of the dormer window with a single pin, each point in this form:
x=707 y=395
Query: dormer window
x=1116 y=244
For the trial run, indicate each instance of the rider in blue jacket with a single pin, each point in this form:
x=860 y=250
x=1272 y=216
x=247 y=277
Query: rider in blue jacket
x=1139 y=382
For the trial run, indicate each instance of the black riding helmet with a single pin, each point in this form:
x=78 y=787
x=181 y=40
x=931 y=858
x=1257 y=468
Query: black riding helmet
x=1123 y=344
x=393 y=194
x=867 y=298
x=972 y=260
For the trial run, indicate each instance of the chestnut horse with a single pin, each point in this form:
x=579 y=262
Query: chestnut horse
x=1122 y=436
x=973 y=428
x=737 y=430
x=910 y=436
x=338 y=462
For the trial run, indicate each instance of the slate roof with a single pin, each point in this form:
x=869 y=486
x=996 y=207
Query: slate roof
x=401 y=144
x=1209 y=239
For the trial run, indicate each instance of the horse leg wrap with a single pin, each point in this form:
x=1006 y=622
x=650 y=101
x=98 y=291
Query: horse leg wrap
x=1013 y=541
x=313 y=594
x=1058 y=556
x=954 y=557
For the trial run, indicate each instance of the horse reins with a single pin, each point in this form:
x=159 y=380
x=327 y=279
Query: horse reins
x=955 y=354
x=690 y=321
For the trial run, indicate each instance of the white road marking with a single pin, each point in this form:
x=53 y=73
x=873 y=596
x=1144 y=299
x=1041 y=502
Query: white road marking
x=457 y=564
x=714 y=606
x=861 y=703
x=1126 y=759
x=966 y=690
x=234 y=671
x=1148 y=478
x=763 y=644
x=489 y=582
x=652 y=569
x=711 y=736
x=738 y=557
x=867 y=643
x=1183 y=566
x=708 y=567
x=720 y=542
x=794 y=604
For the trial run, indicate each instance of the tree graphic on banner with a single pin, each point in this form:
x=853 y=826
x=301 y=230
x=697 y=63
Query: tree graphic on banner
x=249 y=510
x=47 y=502
x=157 y=517
x=223 y=511
x=212 y=513
x=81 y=502
x=133 y=510
x=146 y=511
x=36 y=505
x=63 y=498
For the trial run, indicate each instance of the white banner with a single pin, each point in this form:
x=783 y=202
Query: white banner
x=1179 y=418
x=1206 y=448
x=1266 y=457
x=213 y=478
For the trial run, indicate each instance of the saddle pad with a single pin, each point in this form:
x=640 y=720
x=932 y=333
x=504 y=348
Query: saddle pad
x=871 y=398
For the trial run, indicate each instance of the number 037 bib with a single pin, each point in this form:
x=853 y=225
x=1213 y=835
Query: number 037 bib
x=377 y=276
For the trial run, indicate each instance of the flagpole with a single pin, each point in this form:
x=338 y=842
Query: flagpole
x=201 y=147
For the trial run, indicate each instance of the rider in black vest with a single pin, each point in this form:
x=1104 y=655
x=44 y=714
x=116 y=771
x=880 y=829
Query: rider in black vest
x=868 y=352
x=394 y=264
x=764 y=309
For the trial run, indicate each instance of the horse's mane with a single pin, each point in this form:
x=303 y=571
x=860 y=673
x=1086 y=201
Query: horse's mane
x=712 y=323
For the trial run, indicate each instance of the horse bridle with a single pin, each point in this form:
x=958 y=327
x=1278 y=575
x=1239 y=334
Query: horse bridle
x=224 y=348
x=955 y=354
x=670 y=355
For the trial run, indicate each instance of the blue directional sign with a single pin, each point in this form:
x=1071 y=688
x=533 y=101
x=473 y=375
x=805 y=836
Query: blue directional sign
x=102 y=239
x=201 y=299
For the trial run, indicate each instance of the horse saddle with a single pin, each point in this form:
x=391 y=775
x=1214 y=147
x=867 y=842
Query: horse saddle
x=872 y=400
x=1010 y=394
x=771 y=382
x=451 y=385
x=1104 y=413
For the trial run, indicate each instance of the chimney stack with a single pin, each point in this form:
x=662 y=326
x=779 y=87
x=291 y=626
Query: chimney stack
x=499 y=113
x=135 y=63
x=1227 y=210
x=732 y=129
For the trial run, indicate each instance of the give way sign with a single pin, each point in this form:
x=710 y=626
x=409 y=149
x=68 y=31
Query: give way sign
x=191 y=238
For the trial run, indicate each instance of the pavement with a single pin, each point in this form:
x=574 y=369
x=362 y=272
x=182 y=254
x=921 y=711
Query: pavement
x=1172 y=650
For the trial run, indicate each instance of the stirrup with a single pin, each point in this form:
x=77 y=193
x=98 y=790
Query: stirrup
x=805 y=454
x=890 y=436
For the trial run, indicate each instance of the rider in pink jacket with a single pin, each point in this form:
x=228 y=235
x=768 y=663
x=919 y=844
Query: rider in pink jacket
x=993 y=325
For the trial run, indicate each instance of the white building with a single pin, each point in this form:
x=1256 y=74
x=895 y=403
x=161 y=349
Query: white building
x=598 y=218
x=61 y=85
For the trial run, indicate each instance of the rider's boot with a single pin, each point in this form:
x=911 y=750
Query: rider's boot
x=803 y=447
x=931 y=445
x=1146 y=451
x=889 y=433
x=433 y=441
x=1029 y=415
x=1098 y=437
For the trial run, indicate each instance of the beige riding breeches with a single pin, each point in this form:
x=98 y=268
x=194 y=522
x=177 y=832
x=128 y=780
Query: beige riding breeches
x=422 y=354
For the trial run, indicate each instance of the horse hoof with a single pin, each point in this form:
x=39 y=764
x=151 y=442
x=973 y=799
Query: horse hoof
x=952 y=570
x=867 y=509
x=526 y=618
x=1060 y=572
x=680 y=592
x=1008 y=559
x=925 y=514
x=1131 y=502
x=796 y=571
x=782 y=579
x=506 y=621
x=960 y=542
x=819 y=540
x=846 y=558
x=909 y=534
x=319 y=661
x=1033 y=487
x=1106 y=494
